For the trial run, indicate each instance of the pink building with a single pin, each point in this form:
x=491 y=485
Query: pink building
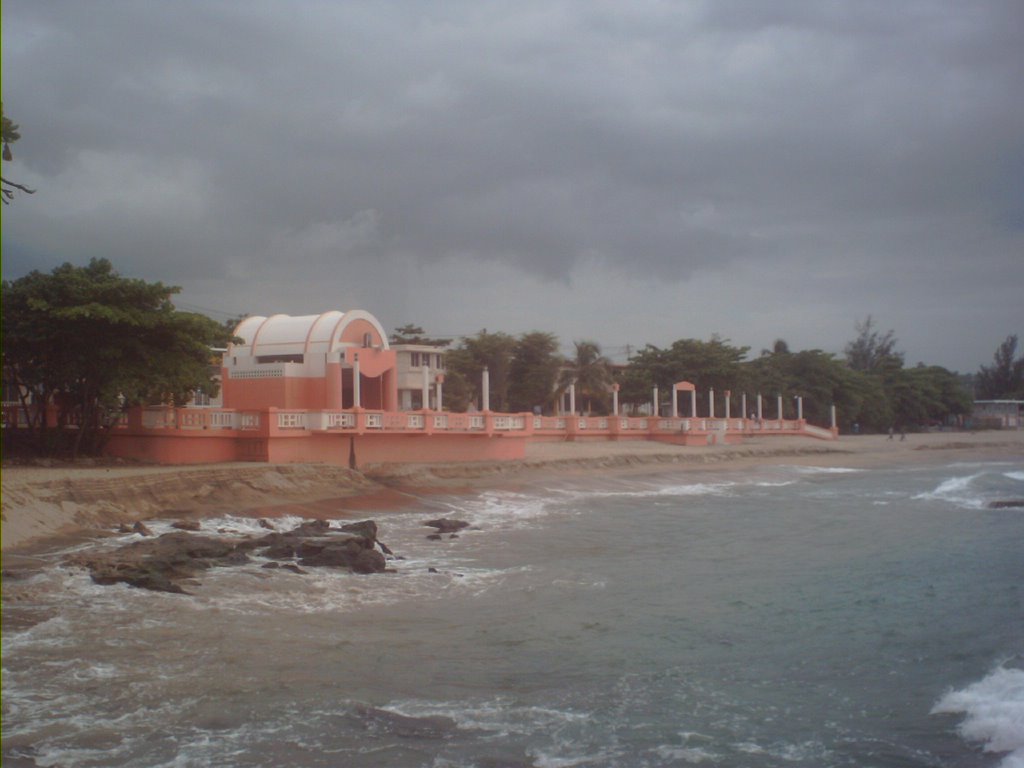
x=335 y=360
x=329 y=388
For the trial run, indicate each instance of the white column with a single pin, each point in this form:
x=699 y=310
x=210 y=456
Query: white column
x=675 y=403
x=728 y=404
x=572 y=398
x=693 y=403
x=799 y=407
x=711 y=403
x=760 y=411
x=426 y=388
x=654 y=403
x=357 y=401
x=778 y=401
x=615 y=399
x=485 y=384
x=743 y=405
x=440 y=392
x=833 y=414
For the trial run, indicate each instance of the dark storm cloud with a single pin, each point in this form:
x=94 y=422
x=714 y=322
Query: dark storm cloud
x=187 y=141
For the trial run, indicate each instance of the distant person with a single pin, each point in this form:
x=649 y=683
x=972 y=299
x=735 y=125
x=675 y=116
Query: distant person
x=891 y=432
x=856 y=427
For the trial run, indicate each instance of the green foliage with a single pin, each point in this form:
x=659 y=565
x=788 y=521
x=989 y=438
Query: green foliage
x=873 y=351
x=590 y=371
x=468 y=360
x=413 y=334
x=1004 y=379
x=533 y=371
x=10 y=135
x=713 y=364
x=92 y=343
x=814 y=375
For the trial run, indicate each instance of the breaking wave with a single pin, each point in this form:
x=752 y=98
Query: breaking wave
x=994 y=713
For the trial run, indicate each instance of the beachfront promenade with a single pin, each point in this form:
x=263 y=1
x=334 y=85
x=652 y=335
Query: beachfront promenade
x=358 y=436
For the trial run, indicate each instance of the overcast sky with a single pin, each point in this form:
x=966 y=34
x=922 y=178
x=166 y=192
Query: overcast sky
x=627 y=172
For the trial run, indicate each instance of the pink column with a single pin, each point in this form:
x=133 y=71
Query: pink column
x=693 y=403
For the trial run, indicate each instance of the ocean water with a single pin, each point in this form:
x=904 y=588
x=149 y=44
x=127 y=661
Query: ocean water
x=789 y=616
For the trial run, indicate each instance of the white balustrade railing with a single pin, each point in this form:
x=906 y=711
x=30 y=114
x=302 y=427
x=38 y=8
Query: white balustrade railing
x=167 y=418
x=291 y=420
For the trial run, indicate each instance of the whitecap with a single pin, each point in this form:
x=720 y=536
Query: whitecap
x=955 y=490
x=1015 y=475
x=994 y=709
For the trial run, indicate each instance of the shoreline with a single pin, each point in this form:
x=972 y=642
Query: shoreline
x=46 y=507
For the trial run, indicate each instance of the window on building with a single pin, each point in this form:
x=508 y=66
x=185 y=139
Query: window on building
x=415 y=360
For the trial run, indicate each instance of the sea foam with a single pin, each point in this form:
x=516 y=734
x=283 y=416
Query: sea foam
x=994 y=709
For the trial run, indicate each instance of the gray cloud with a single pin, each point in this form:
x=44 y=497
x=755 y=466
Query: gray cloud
x=864 y=156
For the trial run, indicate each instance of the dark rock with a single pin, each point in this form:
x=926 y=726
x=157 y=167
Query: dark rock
x=434 y=537
x=447 y=525
x=1006 y=504
x=125 y=528
x=264 y=523
x=453 y=535
x=186 y=525
x=159 y=564
x=142 y=577
x=432 y=569
x=365 y=528
x=166 y=562
x=237 y=557
x=141 y=529
x=385 y=548
x=311 y=528
x=355 y=553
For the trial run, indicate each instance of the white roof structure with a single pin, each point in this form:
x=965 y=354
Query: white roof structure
x=305 y=334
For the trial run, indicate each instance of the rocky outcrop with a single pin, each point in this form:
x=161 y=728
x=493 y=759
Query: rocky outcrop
x=447 y=525
x=162 y=564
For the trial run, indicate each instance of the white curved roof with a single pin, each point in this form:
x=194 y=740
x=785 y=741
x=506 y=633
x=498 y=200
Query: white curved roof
x=302 y=334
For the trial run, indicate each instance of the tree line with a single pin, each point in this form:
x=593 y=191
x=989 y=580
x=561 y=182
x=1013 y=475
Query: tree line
x=871 y=387
x=92 y=343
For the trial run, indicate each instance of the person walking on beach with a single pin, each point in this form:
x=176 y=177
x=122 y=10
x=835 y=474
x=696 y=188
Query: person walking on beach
x=891 y=430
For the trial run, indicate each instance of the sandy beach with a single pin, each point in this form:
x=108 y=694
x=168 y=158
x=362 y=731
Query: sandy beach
x=44 y=505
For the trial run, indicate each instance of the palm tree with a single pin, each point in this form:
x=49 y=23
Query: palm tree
x=589 y=371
